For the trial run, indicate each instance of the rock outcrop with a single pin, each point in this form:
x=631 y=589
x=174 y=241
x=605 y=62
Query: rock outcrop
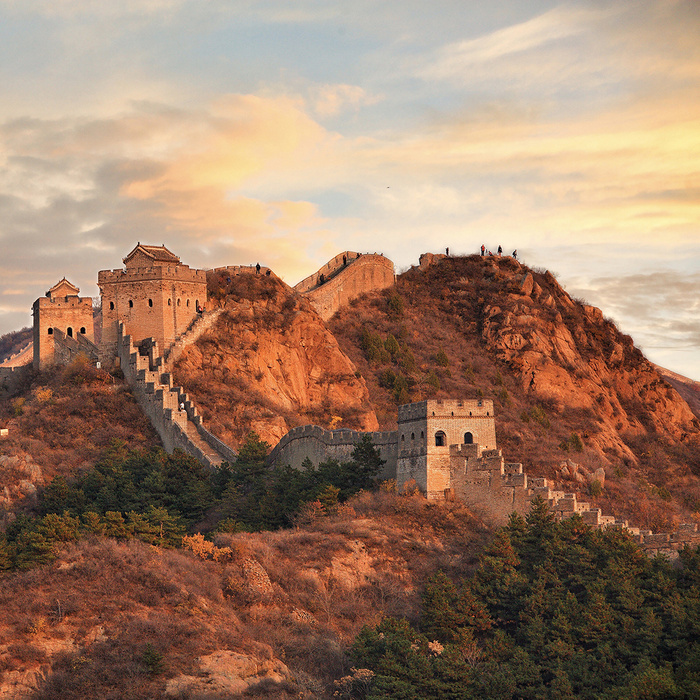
x=268 y=364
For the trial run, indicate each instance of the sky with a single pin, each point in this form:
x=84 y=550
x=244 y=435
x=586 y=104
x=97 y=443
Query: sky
x=283 y=132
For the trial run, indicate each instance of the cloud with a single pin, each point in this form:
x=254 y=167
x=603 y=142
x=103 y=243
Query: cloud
x=330 y=100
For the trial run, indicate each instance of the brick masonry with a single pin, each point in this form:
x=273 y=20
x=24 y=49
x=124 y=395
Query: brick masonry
x=344 y=278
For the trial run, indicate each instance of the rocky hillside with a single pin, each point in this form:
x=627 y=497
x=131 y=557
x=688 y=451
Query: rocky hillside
x=273 y=617
x=270 y=364
x=61 y=421
x=566 y=383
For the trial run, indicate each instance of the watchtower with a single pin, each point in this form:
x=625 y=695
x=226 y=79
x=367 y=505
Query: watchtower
x=61 y=309
x=154 y=296
x=428 y=428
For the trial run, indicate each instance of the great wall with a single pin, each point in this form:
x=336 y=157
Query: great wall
x=156 y=306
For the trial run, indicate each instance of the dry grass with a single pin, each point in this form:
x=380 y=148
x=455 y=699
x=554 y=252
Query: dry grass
x=328 y=580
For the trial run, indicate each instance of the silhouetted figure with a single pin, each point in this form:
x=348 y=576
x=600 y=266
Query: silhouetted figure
x=257 y=269
x=447 y=252
x=321 y=279
x=515 y=255
x=345 y=260
x=483 y=250
x=500 y=250
x=267 y=274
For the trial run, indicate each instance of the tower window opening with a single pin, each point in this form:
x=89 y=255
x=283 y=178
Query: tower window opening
x=440 y=439
x=170 y=301
x=111 y=306
x=178 y=302
x=82 y=330
x=413 y=436
x=50 y=331
x=468 y=439
x=188 y=302
x=403 y=437
x=69 y=332
x=131 y=303
x=150 y=302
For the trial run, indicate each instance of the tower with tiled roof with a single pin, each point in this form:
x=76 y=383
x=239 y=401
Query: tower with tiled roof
x=154 y=296
x=60 y=312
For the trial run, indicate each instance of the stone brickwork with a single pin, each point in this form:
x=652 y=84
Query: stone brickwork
x=154 y=296
x=11 y=378
x=67 y=348
x=61 y=309
x=344 y=278
x=425 y=432
x=319 y=445
x=160 y=401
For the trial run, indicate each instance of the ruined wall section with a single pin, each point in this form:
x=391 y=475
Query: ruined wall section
x=319 y=445
x=346 y=276
x=70 y=314
x=11 y=378
x=159 y=301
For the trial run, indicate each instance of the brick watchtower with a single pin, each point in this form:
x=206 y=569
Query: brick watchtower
x=60 y=310
x=428 y=428
x=155 y=296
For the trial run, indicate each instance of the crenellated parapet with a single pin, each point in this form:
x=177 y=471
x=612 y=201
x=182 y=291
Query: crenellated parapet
x=318 y=445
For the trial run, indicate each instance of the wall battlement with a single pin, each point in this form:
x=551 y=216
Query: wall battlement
x=157 y=272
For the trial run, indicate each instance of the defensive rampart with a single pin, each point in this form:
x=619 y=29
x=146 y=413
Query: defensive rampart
x=319 y=445
x=171 y=411
x=494 y=489
x=67 y=348
x=345 y=277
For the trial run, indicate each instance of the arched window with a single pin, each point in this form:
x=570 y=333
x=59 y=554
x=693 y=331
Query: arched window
x=170 y=302
x=188 y=302
x=131 y=303
x=111 y=306
x=150 y=302
x=402 y=438
x=69 y=332
x=422 y=434
x=82 y=330
x=50 y=331
x=413 y=436
x=468 y=439
x=440 y=439
x=178 y=302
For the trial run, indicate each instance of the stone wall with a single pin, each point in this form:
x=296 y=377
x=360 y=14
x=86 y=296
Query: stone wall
x=320 y=445
x=11 y=378
x=346 y=276
x=152 y=302
x=160 y=401
x=71 y=314
x=67 y=349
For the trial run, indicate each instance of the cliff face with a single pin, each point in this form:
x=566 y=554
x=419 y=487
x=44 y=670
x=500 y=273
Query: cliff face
x=270 y=364
x=566 y=352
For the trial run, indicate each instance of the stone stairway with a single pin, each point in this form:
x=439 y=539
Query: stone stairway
x=483 y=479
x=171 y=411
x=196 y=329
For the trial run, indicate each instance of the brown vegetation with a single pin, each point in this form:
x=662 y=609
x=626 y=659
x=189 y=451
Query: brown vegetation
x=296 y=597
x=65 y=417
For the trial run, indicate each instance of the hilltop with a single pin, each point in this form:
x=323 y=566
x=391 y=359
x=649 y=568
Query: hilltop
x=567 y=384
